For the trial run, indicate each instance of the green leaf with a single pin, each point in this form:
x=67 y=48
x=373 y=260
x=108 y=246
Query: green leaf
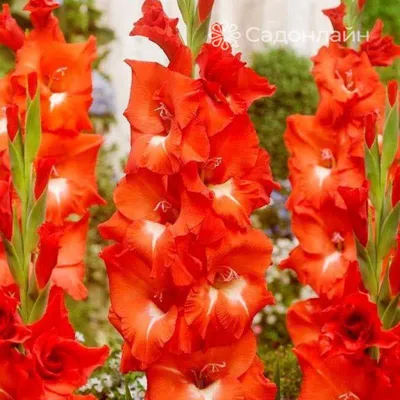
x=389 y=230
x=13 y=260
x=389 y=316
x=40 y=304
x=366 y=268
x=127 y=391
x=372 y=171
x=277 y=380
x=200 y=36
x=17 y=168
x=186 y=8
x=33 y=129
x=390 y=141
x=16 y=235
x=35 y=219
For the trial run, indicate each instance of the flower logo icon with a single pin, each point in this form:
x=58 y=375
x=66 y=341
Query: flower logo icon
x=225 y=35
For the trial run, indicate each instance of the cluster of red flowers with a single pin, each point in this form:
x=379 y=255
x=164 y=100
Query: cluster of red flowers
x=47 y=184
x=344 y=351
x=187 y=274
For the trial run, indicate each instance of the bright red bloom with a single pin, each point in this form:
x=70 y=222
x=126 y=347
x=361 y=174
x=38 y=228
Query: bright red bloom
x=11 y=35
x=72 y=186
x=390 y=364
x=336 y=378
x=5 y=101
x=326 y=247
x=40 y=11
x=61 y=258
x=6 y=279
x=65 y=82
x=356 y=200
x=18 y=377
x=348 y=326
x=149 y=196
x=230 y=85
x=381 y=50
x=147 y=317
x=12 y=329
x=319 y=163
x=238 y=182
x=69 y=272
x=162 y=112
x=156 y=26
x=12 y=114
x=349 y=86
x=219 y=373
x=63 y=364
x=49 y=246
x=222 y=307
x=336 y=16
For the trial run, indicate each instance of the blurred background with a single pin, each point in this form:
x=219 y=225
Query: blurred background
x=252 y=27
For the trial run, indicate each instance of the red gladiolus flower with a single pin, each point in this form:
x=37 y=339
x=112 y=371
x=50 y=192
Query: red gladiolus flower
x=18 y=377
x=348 y=84
x=336 y=378
x=356 y=201
x=40 y=10
x=182 y=221
x=349 y=326
x=319 y=163
x=147 y=318
x=326 y=247
x=381 y=50
x=63 y=364
x=49 y=246
x=164 y=129
x=12 y=329
x=227 y=79
x=72 y=186
x=6 y=279
x=5 y=101
x=163 y=31
x=65 y=82
x=222 y=307
x=11 y=35
x=12 y=116
x=69 y=271
x=336 y=16
x=219 y=373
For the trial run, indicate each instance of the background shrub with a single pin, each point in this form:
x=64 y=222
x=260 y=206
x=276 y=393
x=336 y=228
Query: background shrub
x=296 y=93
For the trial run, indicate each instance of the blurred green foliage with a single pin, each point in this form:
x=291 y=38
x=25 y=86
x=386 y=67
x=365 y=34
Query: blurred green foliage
x=389 y=12
x=296 y=93
x=290 y=374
